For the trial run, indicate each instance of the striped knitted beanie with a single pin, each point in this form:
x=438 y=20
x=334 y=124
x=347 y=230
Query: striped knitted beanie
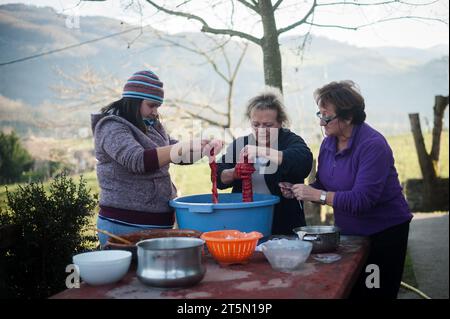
x=144 y=85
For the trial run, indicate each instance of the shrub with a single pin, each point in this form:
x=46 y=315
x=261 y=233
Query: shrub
x=44 y=170
x=52 y=228
x=14 y=159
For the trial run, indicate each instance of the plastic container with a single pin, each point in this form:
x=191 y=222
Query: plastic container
x=286 y=255
x=199 y=213
x=231 y=246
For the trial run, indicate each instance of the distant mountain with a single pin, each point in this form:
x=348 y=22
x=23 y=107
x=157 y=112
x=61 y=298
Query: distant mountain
x=413 y=54
x=394 y=81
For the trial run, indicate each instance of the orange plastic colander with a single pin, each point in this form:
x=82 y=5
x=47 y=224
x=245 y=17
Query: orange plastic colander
x=231 y=246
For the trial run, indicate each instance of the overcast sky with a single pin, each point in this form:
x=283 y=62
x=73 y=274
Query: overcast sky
x=405 y=32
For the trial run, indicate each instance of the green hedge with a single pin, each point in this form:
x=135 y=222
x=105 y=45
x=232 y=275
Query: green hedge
x=51 y=229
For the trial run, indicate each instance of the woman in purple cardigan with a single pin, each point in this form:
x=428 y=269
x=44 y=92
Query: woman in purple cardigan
x=357 y=177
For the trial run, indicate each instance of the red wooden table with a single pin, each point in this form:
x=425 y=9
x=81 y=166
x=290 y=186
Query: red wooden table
x=256 y=280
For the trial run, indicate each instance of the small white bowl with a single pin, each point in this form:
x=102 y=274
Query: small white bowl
x=103 y=267
x=286 y=255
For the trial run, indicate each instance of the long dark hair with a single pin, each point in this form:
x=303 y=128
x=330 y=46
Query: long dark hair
x=129 y=109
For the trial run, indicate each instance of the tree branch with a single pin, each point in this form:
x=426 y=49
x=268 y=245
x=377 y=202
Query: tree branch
x=303 y=20
x=197 y=51
x=375 y=22
x=277 y=4
x=205 y=26
x=233 y=9
x=177 y=13
x=183 y=3
x=210 y=121
x=225 y=56
x=375 y=3
x=249 y=5
x=402 y=17
x=229 y=32
x=201 y=106
x=238 y=64
x=331 y=26
x=315 y=5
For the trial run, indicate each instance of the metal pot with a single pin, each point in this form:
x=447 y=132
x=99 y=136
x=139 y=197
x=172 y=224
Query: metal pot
x=136 y=237
x=170 y=262
x=324 y=238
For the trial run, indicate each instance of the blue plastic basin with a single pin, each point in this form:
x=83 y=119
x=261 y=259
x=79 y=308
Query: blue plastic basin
x=199 y=213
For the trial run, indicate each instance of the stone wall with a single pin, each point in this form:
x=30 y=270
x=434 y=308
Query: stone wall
x=420 y=199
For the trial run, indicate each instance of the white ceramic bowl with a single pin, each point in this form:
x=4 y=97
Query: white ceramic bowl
x=103 y=267
x=286 y=255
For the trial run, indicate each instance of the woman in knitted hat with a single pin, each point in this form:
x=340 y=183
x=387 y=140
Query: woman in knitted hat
x=133 y=152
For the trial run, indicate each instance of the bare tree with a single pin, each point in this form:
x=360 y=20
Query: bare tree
x=434 y=192
x=429 y=161
x=78 y=95
x=214 y=114
x=265 y=11
x=78 y=91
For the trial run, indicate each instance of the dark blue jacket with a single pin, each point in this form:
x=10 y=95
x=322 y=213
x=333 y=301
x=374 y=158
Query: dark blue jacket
x=295 y=167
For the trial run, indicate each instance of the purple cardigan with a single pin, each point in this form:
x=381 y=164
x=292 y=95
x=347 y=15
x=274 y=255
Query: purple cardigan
x=368 y=196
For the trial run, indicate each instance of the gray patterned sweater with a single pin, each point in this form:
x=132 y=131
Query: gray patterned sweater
x=124 y=182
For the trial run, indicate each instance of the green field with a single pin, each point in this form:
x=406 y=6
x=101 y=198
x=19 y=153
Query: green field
x=195 y=179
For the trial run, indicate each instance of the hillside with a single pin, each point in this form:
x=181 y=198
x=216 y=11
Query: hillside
x=395 y=81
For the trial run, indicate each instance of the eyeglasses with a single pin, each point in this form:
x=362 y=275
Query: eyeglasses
x=326 y=119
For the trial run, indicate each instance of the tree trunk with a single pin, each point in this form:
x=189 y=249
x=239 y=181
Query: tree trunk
x=425 y=162
x=434 y=191
x=440 y=104
x=270 y=46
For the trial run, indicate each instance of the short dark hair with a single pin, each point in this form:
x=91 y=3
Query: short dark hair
x=346 y=97
x=269 y=99
x=129 y=109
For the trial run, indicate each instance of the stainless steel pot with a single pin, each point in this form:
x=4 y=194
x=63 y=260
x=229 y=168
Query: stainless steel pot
x=170 y=262
x=324 y=238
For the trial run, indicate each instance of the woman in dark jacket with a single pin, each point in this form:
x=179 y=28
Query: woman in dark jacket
x=278 y=154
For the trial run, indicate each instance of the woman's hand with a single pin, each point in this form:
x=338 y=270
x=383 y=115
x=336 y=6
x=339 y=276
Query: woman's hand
x=189 y=151
x=217 y=145
x=305 y=192
x=286 y=189
x=212 y=148
x=253 y=151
